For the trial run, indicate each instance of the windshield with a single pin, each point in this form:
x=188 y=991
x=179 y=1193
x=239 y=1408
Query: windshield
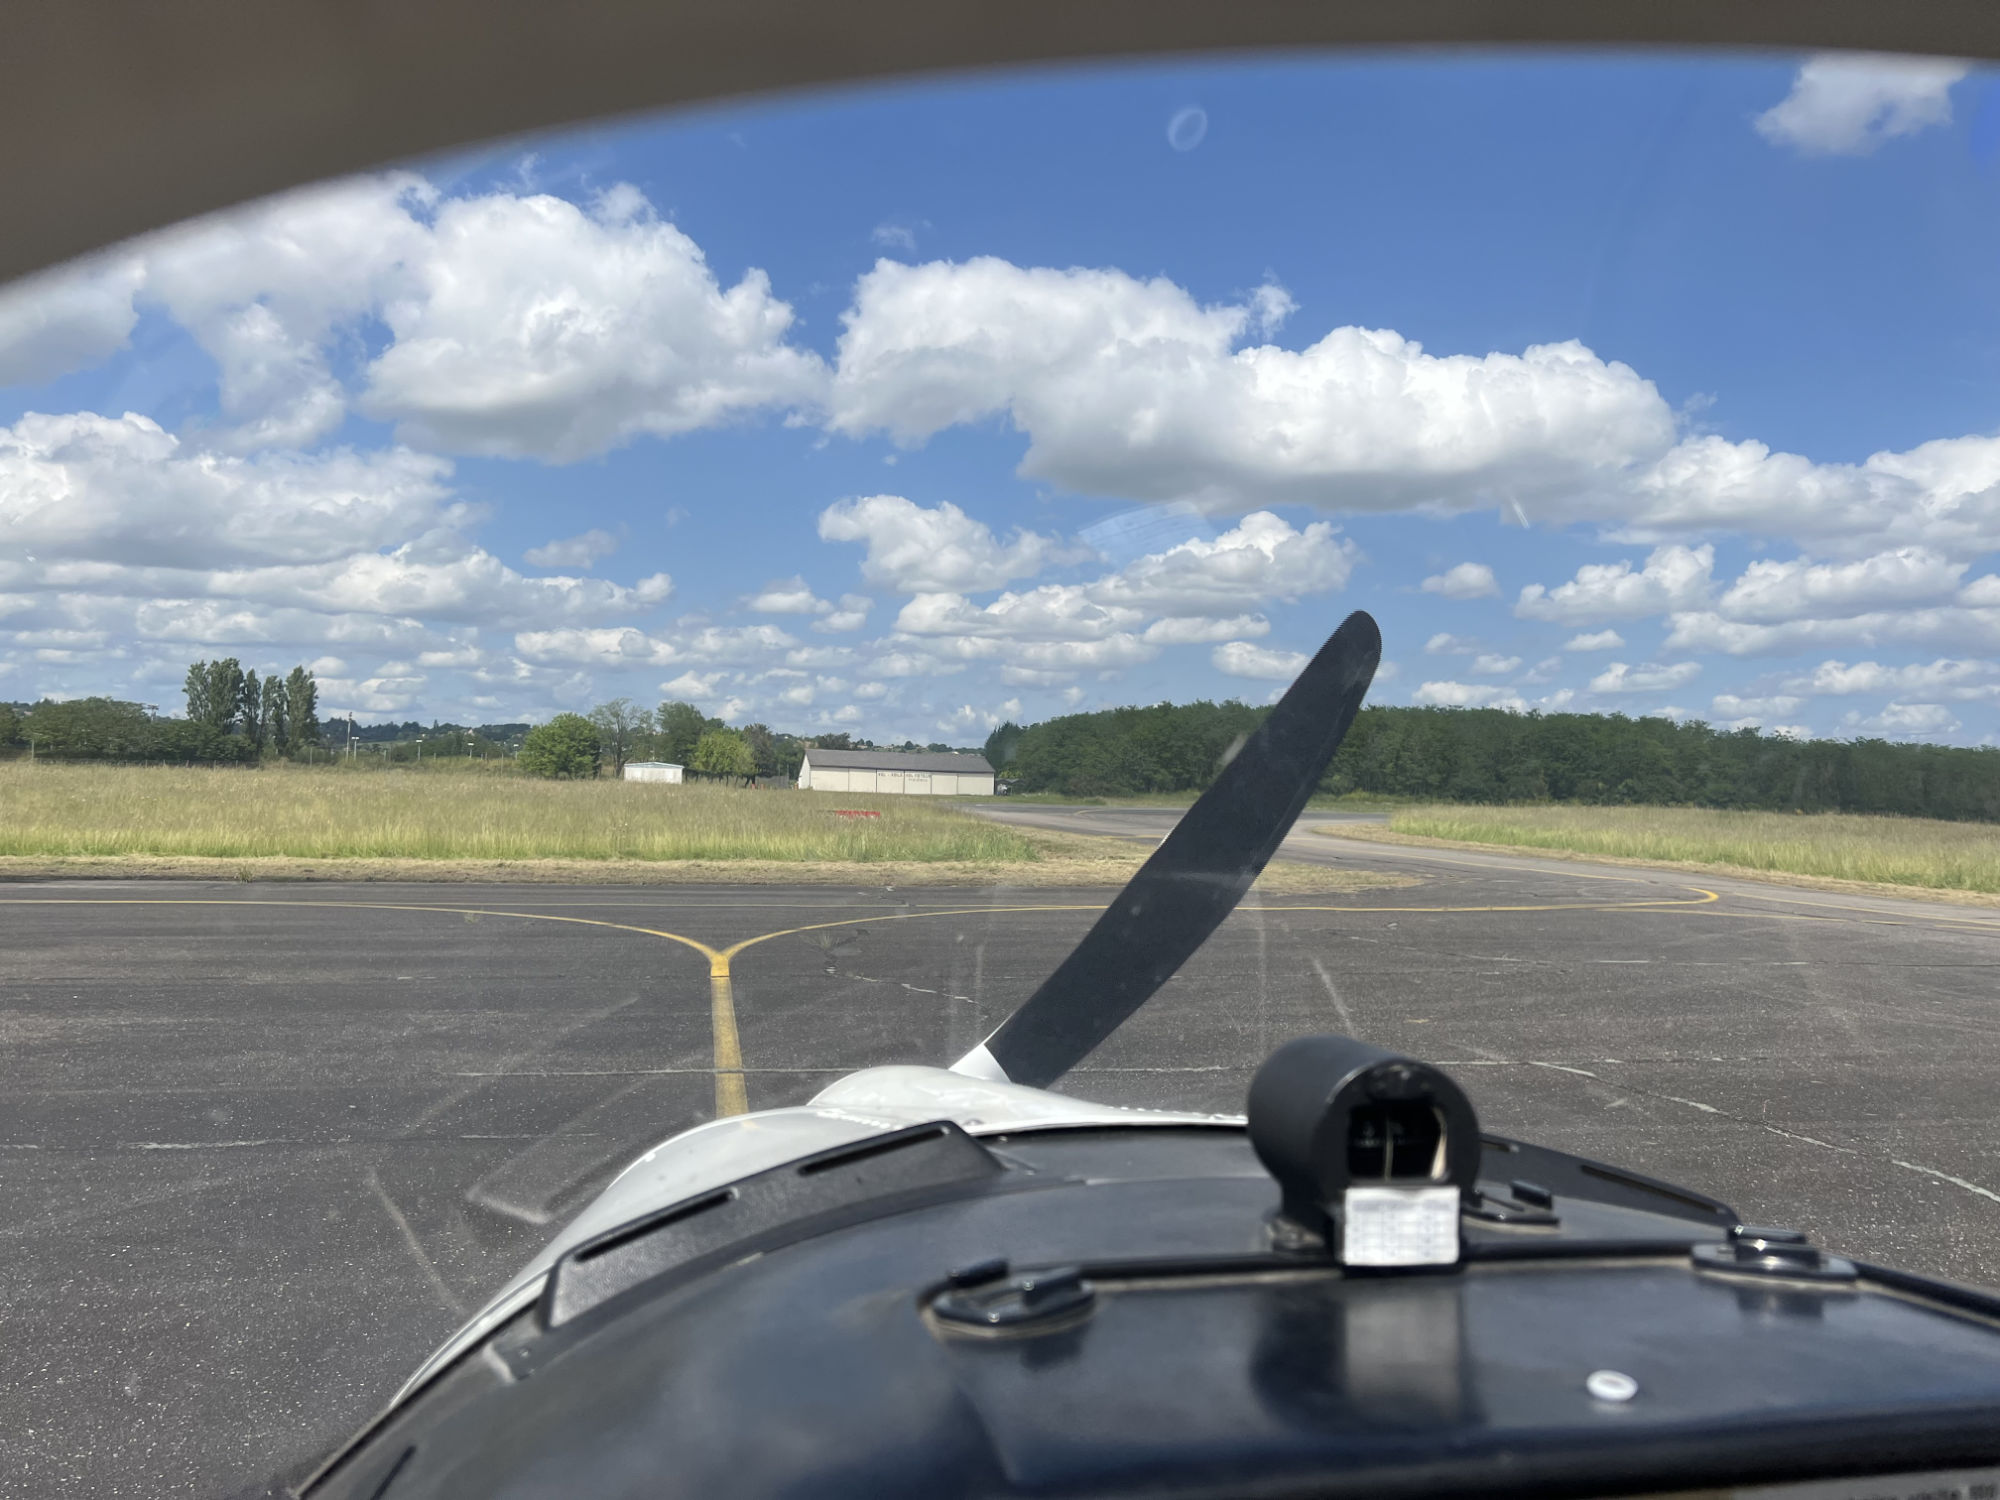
x=511 y=657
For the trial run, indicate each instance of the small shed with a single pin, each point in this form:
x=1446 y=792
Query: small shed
x=653 y=770
x=910 y=773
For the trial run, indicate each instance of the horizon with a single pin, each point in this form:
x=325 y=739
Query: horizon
x=929 y=406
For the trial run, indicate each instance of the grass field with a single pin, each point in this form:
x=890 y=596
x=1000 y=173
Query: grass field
x=285 y=822
x=333 y=814
x=1882 y=851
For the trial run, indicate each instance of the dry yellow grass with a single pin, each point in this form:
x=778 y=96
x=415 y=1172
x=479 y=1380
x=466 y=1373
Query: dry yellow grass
x=1896 y=852
x=284 y=823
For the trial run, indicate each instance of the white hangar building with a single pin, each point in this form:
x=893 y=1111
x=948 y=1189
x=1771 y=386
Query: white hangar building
x=913 y=773
x=653 y=770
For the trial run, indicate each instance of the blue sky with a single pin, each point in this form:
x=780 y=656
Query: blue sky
x=1650 y=385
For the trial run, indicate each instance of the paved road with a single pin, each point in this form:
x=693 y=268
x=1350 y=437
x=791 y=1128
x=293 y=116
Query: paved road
x=260 y=1146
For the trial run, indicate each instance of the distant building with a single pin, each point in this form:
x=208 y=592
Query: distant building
x=652 y=770
x=913 y=773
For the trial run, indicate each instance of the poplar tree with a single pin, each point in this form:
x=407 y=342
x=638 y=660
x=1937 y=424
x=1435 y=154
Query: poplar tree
x=215 y=693
x=250 y=710
x=301 y=709
x=196 y=688
x=271 y=714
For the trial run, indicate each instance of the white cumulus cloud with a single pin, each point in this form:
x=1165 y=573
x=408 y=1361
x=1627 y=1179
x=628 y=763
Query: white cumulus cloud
x=692 y=685
x=122 y=490
x=521 y=324
x=1909 y=720
x=1594 y=640
x=1944 y=494
x=1241 y=659
x=916 y=549
x=850 y=614
x=1734 y=706
x=1467 y=580
x=1052 y=612
x=1849 y=103
x=67 y=319
x=787 y=596
x=1772 y=591
x=1944 y=678
x=1949 y=627
x=1263 y=558
x=1467 y=695
x=1188 y=630
x=1131 y=387
x=538 y=328
x=574 y=551
x=1674 y=577
x=1621 y=678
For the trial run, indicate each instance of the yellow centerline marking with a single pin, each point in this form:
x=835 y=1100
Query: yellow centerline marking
x=725 y=1045
x=725 y=1037
x=731 y=1095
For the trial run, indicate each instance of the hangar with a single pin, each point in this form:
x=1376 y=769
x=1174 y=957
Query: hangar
x=914 y=773
x=652 y=770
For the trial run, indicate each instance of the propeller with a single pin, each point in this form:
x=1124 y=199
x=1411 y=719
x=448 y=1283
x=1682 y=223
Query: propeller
x=1195 y=878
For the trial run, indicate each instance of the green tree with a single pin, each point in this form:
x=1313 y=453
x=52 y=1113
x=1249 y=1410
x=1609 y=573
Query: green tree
x=199 y=709
x=301 y=710
x=787 y=751
x=250 y=710
x=763 y=748
x=621 y=724
x=723 y=752
x=215 y=693
x=10 y=725
x=1001 y=744
x=776 y=754
x=271 y=715
x=1491 y=755
x=680 y=727
x=90 y=729
x=566 y=746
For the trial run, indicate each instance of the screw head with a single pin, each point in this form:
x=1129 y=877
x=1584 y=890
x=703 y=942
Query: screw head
x=1611 y=1385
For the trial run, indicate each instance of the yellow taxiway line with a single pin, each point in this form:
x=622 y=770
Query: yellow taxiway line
x=731 y=1096
x=726 y=1044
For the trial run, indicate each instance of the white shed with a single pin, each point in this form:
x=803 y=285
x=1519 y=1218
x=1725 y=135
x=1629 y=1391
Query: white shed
x=652 y=770
x=912 y=773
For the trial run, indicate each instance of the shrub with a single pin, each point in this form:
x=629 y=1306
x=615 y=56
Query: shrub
x=723 y=752
x=566 y=746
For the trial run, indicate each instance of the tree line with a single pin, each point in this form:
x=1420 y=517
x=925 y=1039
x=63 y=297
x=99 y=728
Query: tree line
x=614 y=734
x=235 y=716
x=1491 y=755
x=277 y=714
x=232 y=717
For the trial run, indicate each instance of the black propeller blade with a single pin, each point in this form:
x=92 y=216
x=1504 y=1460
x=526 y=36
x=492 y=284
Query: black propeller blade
x=1195 y=878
